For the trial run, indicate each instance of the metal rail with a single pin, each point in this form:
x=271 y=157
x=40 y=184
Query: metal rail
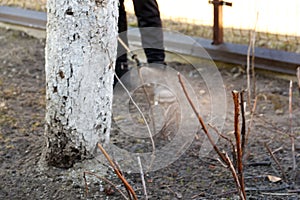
x=23 y=17
x=267 y=59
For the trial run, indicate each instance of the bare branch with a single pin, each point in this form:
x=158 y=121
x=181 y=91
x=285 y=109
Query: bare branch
x=228 y=139
x=276 y=161
x=251 y=119
x=237 y=133
x=143 y=178
x=143 y=116
x=221 y=155
x=118 y=173
x=243 y=128
x=251 y=46
x=236 y=179
x=292 y=136
x=103 y=179
x=298 y=78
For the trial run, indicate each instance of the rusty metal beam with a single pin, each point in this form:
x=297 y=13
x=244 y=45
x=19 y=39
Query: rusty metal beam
x=218 y=21
x=266 y=59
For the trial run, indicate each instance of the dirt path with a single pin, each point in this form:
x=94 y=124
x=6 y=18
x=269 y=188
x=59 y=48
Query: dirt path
x=22 y=108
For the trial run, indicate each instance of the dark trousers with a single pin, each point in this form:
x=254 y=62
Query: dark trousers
x=148 y=15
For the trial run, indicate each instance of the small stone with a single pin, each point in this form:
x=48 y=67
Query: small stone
x=279 y=112
x=76 y=186
x=202 y=92
x=234 y=70
x=178 y=195
x=235 y=75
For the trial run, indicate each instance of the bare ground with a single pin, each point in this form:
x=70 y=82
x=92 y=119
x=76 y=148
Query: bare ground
x=22 y=109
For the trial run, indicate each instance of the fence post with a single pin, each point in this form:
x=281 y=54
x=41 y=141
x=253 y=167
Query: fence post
x=218 y=21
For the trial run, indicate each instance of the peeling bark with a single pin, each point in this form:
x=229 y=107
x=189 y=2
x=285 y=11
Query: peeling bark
x=80 y=52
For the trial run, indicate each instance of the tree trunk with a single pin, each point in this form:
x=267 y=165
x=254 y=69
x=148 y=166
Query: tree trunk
x=80 y=55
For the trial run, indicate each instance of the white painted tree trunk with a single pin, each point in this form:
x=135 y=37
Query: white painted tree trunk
x=80 y=55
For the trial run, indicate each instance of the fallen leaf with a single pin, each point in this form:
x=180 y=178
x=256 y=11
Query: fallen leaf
x=140 y=120
x=274 y=179
x=119 y=118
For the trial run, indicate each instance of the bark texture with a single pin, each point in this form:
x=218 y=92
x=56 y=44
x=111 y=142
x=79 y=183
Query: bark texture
x=80 y=55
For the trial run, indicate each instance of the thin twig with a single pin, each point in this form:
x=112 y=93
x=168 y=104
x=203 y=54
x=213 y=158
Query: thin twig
x=253 y=56
x=118 y=173
x=105 y=180
x=138 y=63
x=148 y=99
x=253 y=60
x=251 y=119
x=248 y=73
x=298 y=78
x=235 y=95
x=274 y=128
x=294 y=191
x=290 y=106
x=292 y=136
x=243 y=128
x=226 y=138
x=221 y=155
x=251 y=46
x=236 y=179
x=276 y=161
x=143 y=178
x=278 y=194
x=269 y=189
x=144 y=118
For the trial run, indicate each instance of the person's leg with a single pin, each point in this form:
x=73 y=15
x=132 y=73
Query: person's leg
x=148 y=15
x=121 y=62
x=150 y=24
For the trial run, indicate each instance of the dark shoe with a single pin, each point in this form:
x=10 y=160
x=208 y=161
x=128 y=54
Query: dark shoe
x=163 y=95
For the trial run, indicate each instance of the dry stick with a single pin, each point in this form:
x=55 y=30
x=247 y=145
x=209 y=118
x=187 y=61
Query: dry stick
x=152 y=118
x=251 y=119
x=243 y=128
x=292 y=136
x=248 y=73
x=201 y=121
x=235 y=95
x=147 y=98
x=278 y=194
x=143 y=178
x=144 y=118
x=135 y=58
x=251 y=46
x=236 y=179
x=298 y=77
x=253 y=60
x=224 y=157
x=121 y=177
x=226 y=138
x=276 y=161
x=104 y=179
